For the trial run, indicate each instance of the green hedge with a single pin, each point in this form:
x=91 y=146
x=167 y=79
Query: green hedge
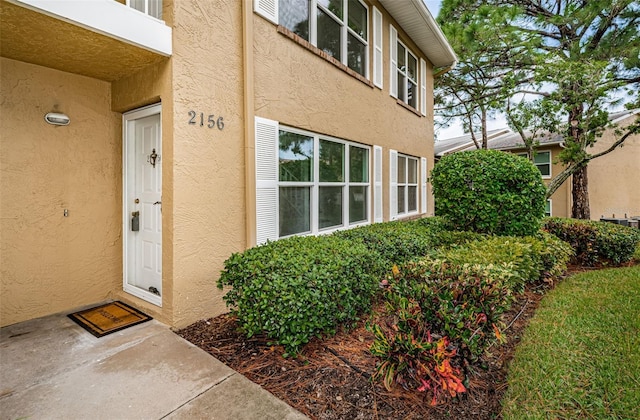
x=595 y=243
x=530 y=258
x=397 y=242
x=489 y=191
x=297 y=288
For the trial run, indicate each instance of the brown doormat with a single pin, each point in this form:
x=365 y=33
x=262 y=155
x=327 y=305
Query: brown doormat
x=109 y=318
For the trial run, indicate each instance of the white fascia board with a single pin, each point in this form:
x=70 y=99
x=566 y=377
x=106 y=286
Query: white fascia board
x=110 y=18
x=416 y=20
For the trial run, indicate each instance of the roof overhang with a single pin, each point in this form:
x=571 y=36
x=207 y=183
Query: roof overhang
x=103 y=39
x=416 y=20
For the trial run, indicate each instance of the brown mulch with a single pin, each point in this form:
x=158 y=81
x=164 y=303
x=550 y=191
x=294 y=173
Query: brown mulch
x=331 y=378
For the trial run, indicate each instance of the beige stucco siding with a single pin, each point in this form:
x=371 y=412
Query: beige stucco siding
x=299 y=88
x=614 y=179
x=49 y=262
x=208 y=163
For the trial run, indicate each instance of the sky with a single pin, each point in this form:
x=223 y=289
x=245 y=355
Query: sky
x=456 y=130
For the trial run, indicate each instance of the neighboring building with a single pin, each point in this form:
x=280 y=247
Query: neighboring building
x=614 y=179
x=199 y=129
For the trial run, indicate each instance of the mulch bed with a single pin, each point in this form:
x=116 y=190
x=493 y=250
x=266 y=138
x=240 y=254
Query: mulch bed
x=331 y=378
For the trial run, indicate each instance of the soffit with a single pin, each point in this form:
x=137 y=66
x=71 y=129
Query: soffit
x=36 y=38
x=416 y=20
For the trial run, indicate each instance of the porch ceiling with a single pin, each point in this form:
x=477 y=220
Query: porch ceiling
x=36 y=38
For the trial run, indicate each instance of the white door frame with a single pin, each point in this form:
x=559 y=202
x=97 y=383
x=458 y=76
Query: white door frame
x=127 y=119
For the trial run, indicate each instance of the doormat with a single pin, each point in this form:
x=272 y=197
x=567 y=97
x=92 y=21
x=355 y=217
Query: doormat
x=109 y=318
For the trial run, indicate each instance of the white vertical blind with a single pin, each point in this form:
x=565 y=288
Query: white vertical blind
x=393 y=184
x=423 y=86
x=267 y=9
x=393 y=58
x=423 y=184
x=266 y=180
x=377 y=184
x=377 y=48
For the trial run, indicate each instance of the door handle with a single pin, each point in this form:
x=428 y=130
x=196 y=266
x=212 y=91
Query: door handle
x=157 y=202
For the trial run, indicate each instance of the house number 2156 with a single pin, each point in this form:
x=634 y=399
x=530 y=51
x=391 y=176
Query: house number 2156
x=198 y=118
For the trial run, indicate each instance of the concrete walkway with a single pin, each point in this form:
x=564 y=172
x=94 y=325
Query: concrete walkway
x=51 y=368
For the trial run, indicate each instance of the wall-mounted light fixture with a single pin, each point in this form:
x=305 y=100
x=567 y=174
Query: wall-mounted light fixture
x=56 y=118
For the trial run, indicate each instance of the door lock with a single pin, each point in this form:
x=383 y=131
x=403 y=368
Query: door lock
x=135 y=221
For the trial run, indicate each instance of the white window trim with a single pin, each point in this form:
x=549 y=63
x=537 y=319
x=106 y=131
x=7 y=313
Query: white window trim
x=316 y=184
x=537 y=152
x=407 y=184
x=549 y=163
x=550 y=201
x=420 y=76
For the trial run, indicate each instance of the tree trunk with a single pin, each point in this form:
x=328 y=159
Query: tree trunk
x=485 y=140
x=580 y=181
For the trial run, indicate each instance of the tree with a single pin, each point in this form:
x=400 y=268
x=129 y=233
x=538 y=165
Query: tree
x=580 y=56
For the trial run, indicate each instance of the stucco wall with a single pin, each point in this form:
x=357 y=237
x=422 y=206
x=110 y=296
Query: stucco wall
x=51 y=263
x=614 y=179
x=208 y=163
x=298 y=88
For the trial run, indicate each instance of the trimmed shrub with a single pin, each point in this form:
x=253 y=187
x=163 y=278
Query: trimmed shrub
x=397 y=242
x=595 y=243
x=297 y=288
x=489 y=191
x=530 y=258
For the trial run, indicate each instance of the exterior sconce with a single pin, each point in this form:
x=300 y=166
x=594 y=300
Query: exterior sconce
x=55 y=118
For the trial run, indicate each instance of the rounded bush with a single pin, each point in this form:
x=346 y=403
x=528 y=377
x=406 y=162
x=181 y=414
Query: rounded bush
x=489 y=191
x=298 y=288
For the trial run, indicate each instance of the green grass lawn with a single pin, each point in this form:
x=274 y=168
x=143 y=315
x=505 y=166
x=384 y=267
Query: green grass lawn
x=580 y=356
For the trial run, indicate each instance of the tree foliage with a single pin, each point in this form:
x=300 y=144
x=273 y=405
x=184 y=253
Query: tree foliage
x=577 y=57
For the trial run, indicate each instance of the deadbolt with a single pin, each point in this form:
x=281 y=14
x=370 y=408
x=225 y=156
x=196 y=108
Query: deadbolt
x=137 y=200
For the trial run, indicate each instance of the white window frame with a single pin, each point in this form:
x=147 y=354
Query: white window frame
x=538 y=165
x=315 y=184
x=396 y=72
x=345 y=31
x=550 y=201
x=407 y=184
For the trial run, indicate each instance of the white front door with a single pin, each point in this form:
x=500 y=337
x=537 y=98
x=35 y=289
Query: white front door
x=142 y=204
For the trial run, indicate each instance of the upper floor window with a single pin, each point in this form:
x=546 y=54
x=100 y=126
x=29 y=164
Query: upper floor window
x=338 y=27
x=542 y=160
x=407 y=76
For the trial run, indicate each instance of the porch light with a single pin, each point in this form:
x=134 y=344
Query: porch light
x=56 y=118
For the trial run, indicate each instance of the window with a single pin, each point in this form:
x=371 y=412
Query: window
x=338 y=27
x=407 y=75
x=323 y=183
x=407 y=184
x=547 y=208
x=542 y=160
x=404 y=74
